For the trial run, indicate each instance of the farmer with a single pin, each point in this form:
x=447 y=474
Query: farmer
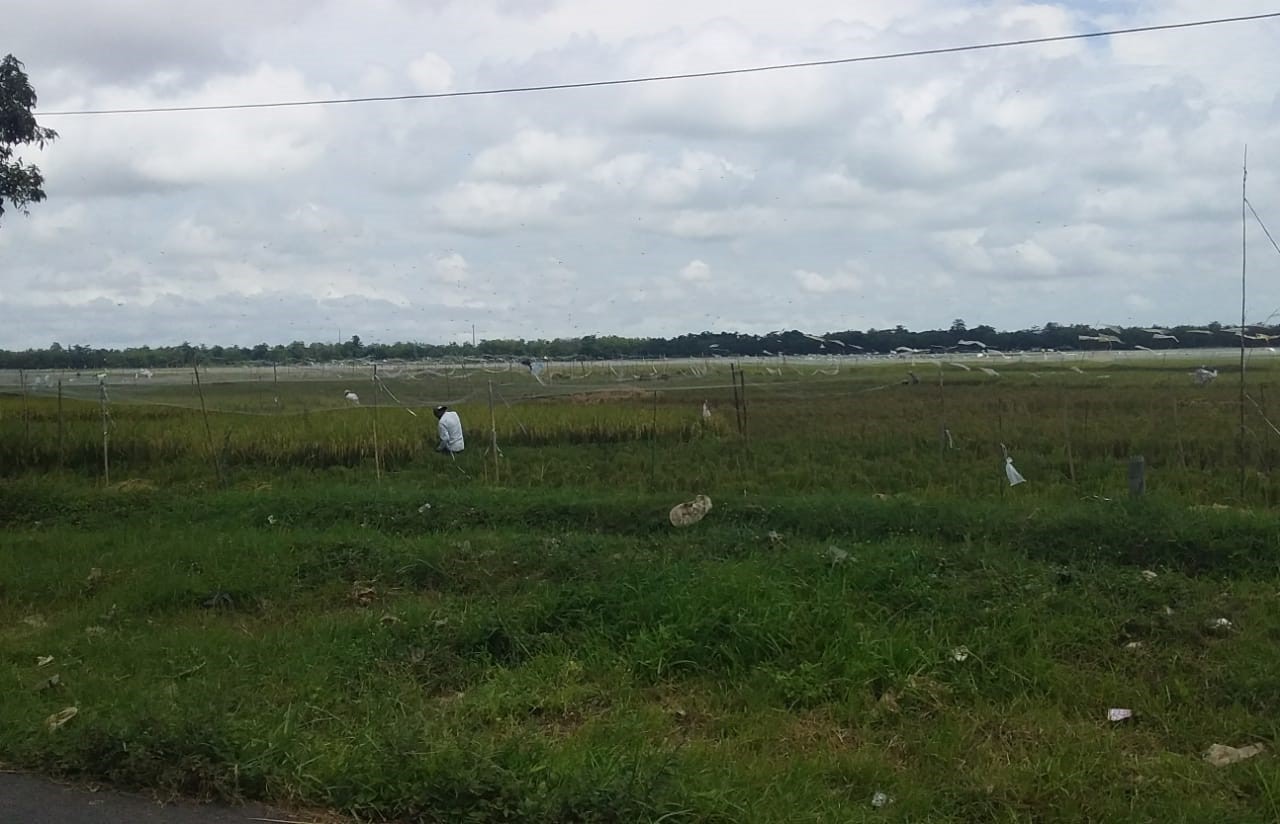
x=450 y=428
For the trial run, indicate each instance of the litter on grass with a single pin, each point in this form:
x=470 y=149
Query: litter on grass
x=1220 y=755
x=836 y=555
x=61 y=717
x=960 y=654
x=49 y=683
x=1116 y=714
x=1203 y=377
x=1219 y=625
x=1148 y=575
x=1011 y=472
x=44 y=660
x=690 y=512
x=881 y=799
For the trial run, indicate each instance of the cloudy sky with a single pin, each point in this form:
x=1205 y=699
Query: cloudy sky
x=1094 y=181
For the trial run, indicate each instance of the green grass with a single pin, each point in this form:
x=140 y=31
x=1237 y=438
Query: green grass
x=548 y=648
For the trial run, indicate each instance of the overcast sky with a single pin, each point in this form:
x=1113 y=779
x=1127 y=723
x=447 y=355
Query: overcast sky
x=1094 y=181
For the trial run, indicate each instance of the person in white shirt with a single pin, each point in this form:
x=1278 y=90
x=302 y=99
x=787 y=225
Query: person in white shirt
x=450 y=428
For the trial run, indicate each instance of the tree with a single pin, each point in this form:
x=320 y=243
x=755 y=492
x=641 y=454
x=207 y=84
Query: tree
x=20 y=184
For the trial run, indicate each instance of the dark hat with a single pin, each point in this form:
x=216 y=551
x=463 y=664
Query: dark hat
x=440 y=410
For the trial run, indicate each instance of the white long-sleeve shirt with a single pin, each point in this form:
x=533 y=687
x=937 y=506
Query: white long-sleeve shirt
x=450 y=428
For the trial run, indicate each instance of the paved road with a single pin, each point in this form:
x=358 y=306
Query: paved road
x=26 y=799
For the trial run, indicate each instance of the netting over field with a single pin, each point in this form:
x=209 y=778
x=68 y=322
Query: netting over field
x=878 y=423
x=293 y=389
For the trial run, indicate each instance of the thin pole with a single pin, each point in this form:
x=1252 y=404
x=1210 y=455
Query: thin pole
x=102 y=406
x=1004 y=450
x=60 y=452
x=275 y=387
x=1177 y=430
x=942 y=413
x=653 y=444
x=26 y=411
x=737 y=404
x=1066 y=434
x=493 y=432
x=1244 y=238
x=208 y=431
x=742 y=379
x=377 y=459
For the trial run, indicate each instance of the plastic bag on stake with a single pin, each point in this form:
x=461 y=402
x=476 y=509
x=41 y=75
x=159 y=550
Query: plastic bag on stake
x=1011 y=472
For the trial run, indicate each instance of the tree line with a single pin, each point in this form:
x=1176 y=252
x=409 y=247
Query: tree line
x=958 y=337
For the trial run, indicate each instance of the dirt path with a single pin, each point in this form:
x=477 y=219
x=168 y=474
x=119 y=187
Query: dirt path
x=27 y=799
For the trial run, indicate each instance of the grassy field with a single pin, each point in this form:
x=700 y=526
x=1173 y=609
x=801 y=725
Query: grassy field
x=253 y=610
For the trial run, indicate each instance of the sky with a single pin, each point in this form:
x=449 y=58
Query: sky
x=1093 y=181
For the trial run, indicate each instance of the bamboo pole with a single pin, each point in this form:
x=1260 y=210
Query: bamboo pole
x=942 y=413
x=493 y=432
x=377 y=457
x=653 y=444
x=61 y=454
x=737 y=404
x=1066 y=434
x=26 y=410
x=1244 y=239
x=102 y=407
x=208 y=431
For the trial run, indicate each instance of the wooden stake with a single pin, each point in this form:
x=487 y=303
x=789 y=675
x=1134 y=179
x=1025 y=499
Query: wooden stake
x=737 y=404
x=60 y=452
x=106 y=429
x=26 y=411
x=1244 y=238
x=377 y=458
x=208 y=431
x=742 y=379
x=1137 y=476
x=1177 y=431
x=942 y=414
x=1066 y=434
x=653 y=444
x=493 y=432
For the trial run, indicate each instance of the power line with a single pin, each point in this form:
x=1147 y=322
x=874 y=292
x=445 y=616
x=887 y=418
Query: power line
x=666 y=77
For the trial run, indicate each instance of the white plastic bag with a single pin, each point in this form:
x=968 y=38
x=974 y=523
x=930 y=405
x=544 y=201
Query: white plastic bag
x=690 y=512
x=1014 y=476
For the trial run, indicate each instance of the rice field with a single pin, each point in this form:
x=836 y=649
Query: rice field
x=290 y=597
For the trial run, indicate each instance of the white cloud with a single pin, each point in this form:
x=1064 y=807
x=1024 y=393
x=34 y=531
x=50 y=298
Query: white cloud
x=452 y=268
x=696 y=271
x=1028 y=184
x=844 y=280
x=718 y=224
x=536 y=156
x=431 y=73
x=486 y=207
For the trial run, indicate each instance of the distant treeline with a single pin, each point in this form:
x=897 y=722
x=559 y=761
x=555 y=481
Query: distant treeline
x=701 y=344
